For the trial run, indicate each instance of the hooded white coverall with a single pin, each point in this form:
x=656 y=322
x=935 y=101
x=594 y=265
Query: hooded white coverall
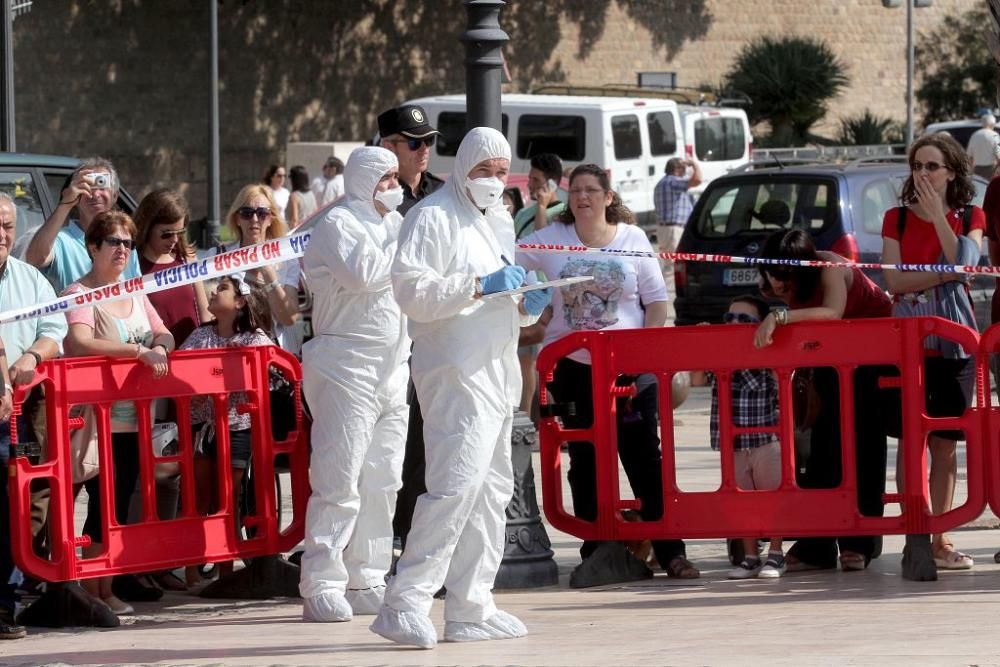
x=354 y=377
x=467 y=377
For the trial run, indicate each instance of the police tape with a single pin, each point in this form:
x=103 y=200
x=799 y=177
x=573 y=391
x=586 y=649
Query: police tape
x=289 y=248
x=274 y=251
x=542 y=248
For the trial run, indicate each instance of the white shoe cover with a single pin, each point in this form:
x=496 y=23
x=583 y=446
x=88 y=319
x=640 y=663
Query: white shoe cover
x=500 y=625
x=366 y=601
x=404 y=627
x=327 y=607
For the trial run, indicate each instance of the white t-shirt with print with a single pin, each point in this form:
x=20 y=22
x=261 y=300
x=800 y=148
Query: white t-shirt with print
x=613 y=300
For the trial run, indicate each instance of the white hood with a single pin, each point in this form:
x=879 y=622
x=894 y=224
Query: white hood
x=481 y=143
x=365 y=168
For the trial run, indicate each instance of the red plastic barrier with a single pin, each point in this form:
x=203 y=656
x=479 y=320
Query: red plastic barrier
x=788 y=510
x=154 y=544
x=990 y=344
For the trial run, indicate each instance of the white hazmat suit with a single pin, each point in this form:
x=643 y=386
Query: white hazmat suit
x=354 y=377
x=466 y=374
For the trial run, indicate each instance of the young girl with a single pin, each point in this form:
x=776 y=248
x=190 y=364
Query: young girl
x=241 y=319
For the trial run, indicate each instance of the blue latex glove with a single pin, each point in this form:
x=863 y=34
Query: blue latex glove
x=536 y=300
x=507 y=278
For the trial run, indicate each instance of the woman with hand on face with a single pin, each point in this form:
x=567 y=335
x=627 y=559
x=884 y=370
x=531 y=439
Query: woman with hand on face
x=818 y=294
x=126 y=328
x=937 y=224
x=254 y=218
x=626 y=292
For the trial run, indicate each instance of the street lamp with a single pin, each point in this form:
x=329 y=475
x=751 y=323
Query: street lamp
x=483 y=63
x=909 y=59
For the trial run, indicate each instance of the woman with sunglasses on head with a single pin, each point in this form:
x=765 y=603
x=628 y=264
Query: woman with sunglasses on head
x=254 y=218
x=275 y=179
x=127 y=328
x=161 y=241
x=937 y=225
x=818 y=294
x=627 y=292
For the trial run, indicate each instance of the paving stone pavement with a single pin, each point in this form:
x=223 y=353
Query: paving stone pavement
x=815 y=618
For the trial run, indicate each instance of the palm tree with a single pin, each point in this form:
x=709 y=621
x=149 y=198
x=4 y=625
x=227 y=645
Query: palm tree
x=790 y=81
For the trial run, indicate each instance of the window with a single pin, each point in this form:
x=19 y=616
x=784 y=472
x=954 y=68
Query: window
x=626 y=138
x=878 y=197
x=718 y=138
x=563 y=135
x=766 y=206
x=662 y=133
x=451 y=125
x=21 y=188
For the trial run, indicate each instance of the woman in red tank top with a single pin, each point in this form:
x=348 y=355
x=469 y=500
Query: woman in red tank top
x=831 y=293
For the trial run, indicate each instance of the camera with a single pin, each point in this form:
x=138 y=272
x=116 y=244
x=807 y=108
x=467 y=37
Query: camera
x=98 y=180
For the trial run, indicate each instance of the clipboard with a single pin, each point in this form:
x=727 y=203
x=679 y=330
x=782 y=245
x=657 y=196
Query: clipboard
x=550 y=283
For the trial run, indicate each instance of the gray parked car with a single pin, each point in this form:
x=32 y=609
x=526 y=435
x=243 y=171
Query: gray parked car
x=841 y=205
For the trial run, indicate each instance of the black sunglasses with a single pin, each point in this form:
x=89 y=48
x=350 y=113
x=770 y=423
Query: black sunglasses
x=742 y=318
x=247 y=212
x=116 y=242
x=414 y=144
x=166 y=234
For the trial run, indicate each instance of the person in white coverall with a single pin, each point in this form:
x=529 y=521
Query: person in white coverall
x=354 y=377
x=455 y=248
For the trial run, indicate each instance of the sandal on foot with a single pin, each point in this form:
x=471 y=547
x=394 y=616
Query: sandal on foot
x=852 y=562
x=681 y=568
x=951 y=559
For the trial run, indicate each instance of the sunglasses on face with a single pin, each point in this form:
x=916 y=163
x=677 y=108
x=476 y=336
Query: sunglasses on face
x=169 y=234
x=741 y=318
x=415 y=144
x=929 y=167
x=247 y=212
x=116 y=242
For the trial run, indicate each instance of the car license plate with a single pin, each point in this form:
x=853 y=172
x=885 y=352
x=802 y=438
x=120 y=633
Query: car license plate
x=740 y=276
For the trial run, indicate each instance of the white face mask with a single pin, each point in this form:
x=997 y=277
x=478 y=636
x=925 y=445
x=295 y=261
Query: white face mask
x=485 y=192
x=391 y=199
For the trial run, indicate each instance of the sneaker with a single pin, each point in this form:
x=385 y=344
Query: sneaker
x=747 y=569
x=773 y=568
x=8 y=628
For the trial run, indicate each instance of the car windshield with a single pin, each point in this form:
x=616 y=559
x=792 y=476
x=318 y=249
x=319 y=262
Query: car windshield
x=765 y=205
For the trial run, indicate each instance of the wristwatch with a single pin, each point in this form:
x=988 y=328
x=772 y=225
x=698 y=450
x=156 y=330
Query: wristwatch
x=781 y=316
x=38 y=357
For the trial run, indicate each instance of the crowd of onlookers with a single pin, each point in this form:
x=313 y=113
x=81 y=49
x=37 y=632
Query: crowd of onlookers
x=87 y=243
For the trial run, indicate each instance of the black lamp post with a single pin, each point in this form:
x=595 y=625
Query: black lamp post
x=483 y=63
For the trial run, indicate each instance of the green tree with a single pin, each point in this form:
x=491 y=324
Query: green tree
x=866 y=129
x=955 y=68
x=789 y=80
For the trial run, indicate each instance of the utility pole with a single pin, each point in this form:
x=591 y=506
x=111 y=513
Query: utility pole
x=8 y=141
x=212 y=216
x=909 y=73
x=483 y=63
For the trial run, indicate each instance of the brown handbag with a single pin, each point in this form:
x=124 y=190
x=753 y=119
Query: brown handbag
x=806 y=403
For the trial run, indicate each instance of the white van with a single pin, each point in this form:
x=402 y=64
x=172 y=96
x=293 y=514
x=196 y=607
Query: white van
x=630 y=137
x=719 y=137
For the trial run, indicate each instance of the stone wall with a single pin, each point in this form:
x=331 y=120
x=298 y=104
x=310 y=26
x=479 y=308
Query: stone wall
x=129 y=78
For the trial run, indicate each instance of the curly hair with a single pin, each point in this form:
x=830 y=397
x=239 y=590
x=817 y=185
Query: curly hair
x=615 y=212
x=961 y=189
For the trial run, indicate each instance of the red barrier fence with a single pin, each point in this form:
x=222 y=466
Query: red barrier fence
x=787 y=510
x=152 y=543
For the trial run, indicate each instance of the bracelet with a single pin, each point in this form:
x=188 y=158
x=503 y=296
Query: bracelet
x=271 y=286
x=781 y=316
x=138 y=350
x=165 y=350
x=67 y=203
x=38 y=357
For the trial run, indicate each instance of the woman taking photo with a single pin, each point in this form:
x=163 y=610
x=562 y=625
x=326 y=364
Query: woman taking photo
x=627 y=292
x=831 y=293
x=161 y=240
x=254 y=218
x=130 y=329
x=937 y=224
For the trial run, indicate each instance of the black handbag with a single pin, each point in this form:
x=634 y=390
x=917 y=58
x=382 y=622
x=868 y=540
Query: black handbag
x=282 y=405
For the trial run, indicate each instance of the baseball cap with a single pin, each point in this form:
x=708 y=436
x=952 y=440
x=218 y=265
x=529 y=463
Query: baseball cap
x=408 y=120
